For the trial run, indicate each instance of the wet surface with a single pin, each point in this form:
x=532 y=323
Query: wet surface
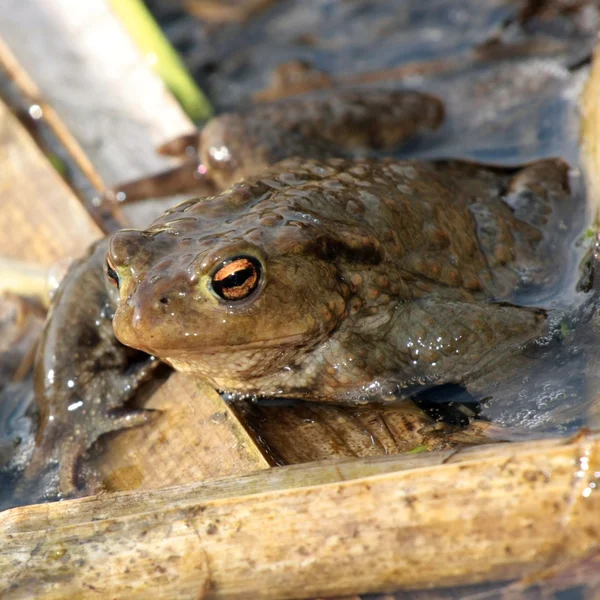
x=509 y=74
x=232 y=62
x=21 y=322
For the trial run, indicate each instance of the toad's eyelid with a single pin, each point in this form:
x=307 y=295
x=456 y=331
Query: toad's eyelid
x=112 y=274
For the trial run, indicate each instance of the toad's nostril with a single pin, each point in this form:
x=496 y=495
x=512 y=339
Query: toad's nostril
x=164 y=300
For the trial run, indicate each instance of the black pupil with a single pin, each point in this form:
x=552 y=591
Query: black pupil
x=240 y=282
x=236 y=279
x=112 y=274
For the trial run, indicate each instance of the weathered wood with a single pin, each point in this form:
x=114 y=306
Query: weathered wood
x=41 y=220
x=90 y=72
x=590 y=131
x=197 y=437
x=92 y=508
x=310 y=431
x=506 y=514
x=29 y=88
x=25 y=278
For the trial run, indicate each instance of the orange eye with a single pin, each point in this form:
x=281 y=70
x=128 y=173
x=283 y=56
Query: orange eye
x=236 y=278
x=112 y=274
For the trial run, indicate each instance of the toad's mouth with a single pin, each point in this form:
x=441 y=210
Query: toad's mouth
x=177 y=350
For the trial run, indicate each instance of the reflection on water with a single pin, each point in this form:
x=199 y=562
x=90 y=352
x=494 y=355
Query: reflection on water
x=554 y=389
x=351 y=38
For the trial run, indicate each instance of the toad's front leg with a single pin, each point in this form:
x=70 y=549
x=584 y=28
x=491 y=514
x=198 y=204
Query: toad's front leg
x=331 y=123
x=83 y=377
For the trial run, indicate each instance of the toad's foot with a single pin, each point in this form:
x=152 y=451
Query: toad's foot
x=74 y=448
x=54 y=472
x=190 y=177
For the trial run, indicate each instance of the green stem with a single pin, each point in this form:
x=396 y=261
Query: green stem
x=150 y=40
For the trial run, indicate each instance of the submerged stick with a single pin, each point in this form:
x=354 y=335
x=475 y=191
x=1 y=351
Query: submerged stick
x=590 y=133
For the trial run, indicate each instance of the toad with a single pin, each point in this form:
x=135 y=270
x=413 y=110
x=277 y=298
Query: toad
x=343 y=280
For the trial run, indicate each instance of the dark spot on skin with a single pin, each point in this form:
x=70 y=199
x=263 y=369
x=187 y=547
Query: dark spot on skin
x=211 y=529
x=409 y=426
x=90 y=337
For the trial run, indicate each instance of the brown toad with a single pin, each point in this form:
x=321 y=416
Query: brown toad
x=330 y=279
x=345 y=281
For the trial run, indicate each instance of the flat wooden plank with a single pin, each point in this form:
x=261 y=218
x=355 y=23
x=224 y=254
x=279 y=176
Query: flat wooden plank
x=506 y=515
x=310 y=431
x=117 y=108
x=197 y=437
x=89 y=70
x=41 y=220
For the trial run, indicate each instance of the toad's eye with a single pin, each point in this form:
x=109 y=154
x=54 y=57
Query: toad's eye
x=236 y=278
x=113 y=276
